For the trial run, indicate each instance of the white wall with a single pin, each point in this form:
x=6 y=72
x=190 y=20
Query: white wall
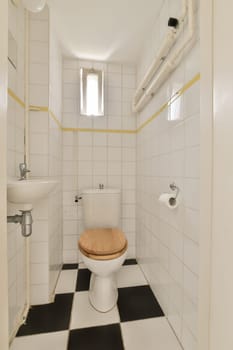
x=39 y=152
x=15 y=155
x=91 y=158
x=168 y=151
x=55 y=159
x=15 y=120
x=45 y=155
x=221 y=316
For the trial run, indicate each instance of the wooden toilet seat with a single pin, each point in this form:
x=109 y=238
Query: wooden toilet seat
x=103 y=243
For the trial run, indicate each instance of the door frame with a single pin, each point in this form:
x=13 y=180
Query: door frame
x=206 y=171
x=4 y=341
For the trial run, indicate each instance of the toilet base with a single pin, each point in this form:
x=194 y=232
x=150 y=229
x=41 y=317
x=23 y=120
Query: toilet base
x=103 y=292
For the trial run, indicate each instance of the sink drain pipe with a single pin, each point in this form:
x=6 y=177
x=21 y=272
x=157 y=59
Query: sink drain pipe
x=25 y=220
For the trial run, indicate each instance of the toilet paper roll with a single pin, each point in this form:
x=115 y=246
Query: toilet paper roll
x=169 y=200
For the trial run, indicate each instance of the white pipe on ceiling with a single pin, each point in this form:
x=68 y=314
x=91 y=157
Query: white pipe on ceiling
x=163 y=51
x=169 y=64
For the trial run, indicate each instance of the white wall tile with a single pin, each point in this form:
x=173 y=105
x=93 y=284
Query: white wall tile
x=191 y=285
x=39 y=165
x=39 y=252
x=38 y=122
x=85 y=153
x=192 y=131
x=99 y=168
x=129 y=81
x=192 y=162
x=114 y=68
x=191 y=256
x=99 y=139
x=191 y=224
x=39 y=293
x=39 y=74
x=38 y=96
x=114 y=140
x=39 y=143
x=114 y=79
x=39 y=52
x=70 y=76
x=190 y=315
x=99 y=154
x=191 y=193
x=189 y=342
x=39 y=273
x=38 y=31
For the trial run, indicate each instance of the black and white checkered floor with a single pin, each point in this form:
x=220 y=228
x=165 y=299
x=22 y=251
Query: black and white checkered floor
x=70 y=323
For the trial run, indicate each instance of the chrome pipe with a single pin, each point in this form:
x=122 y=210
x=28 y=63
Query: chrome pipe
x=25 y=220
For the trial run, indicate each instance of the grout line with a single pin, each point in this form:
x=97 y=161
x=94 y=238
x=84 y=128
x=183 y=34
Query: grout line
x=173 y=331
x=166 y=317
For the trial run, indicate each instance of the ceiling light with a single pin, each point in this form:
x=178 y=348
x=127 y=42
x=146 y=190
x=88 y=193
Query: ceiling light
x=34 y=5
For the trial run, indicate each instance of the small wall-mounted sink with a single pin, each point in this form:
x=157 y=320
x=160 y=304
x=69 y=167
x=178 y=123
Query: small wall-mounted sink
x=27 y=192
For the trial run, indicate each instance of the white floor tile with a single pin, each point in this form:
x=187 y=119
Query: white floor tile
x=84 y=315
x=45 y=341
x=66 y=282
x=150 y=334
x=82 y=266
x=129 y=276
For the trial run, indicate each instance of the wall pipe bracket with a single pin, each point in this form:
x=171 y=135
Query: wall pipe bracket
x=174 y=187
x=25 y=220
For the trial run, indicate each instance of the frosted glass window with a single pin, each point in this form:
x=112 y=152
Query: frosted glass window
x=91 y=92
x=175 y=104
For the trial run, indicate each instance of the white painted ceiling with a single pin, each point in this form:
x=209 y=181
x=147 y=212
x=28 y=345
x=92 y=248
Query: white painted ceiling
x=112 y=30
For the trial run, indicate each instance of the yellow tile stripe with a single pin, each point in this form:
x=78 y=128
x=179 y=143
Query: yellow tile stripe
x=57 y=121
x=113 y=131
x=38 y=108
x=156 y=114
x=46 y=109
x=16 y=98
x=173 y=98
x=180 y=92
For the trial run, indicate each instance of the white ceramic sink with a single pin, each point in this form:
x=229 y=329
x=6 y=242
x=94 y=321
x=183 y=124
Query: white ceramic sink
x=27 y=192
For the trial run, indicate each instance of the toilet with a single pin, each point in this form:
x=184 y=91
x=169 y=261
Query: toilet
x=102 y=245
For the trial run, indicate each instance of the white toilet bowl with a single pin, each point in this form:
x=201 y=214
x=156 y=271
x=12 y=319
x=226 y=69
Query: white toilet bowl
x=103 y=246
x=103 y=252
x=103 y=291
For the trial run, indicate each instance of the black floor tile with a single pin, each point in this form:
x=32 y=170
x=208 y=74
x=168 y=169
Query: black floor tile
x=96 y=338
x=49 y=317
x=135 y=303
x=70 y=267
x=83 y=280
x=130 y=262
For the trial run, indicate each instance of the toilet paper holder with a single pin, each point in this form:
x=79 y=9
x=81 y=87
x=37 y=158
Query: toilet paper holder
x=174 y=187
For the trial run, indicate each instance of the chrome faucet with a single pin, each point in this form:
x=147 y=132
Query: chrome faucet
x=23 y=171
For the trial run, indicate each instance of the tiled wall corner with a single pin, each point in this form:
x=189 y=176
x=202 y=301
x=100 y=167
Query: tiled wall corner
x=55 y=160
